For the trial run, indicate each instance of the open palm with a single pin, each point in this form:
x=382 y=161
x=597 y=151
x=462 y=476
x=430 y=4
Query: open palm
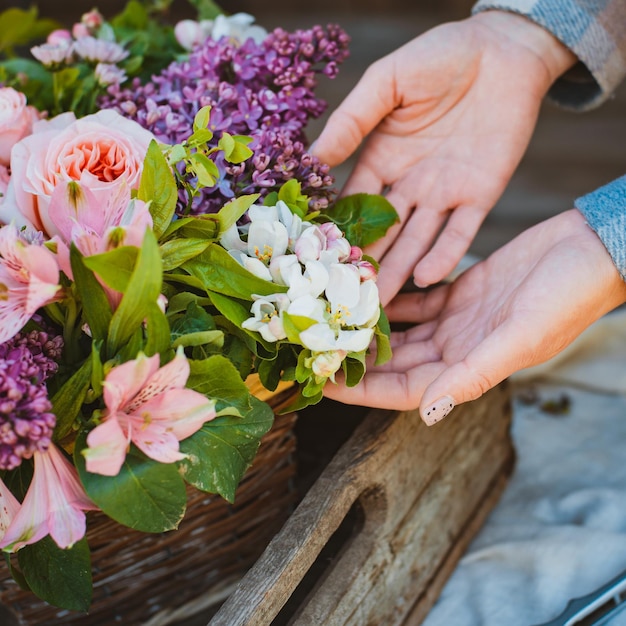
x=520 y=307
x=449 y=116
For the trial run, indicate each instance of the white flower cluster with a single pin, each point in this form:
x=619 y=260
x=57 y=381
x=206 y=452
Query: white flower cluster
x=328 y=283
x=237 y=27
x=63 y=47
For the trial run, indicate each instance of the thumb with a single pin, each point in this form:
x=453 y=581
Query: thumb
x=371 y=100
x=483 y=368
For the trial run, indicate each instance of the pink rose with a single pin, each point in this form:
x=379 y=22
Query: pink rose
x=103 y=152
x=16 y=120
x=4 y=181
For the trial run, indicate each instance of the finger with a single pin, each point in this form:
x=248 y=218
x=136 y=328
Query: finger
x=364 y=107
x=418 y=306
x=500 y=354
x=399 y=261
x=404 y=204
x=362 y=179
x=386 y=390
x=421 y=332
x=410 y=355
x=452 y=243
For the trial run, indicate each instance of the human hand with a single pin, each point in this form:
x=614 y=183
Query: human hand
x=449 y=116
x=518 y=308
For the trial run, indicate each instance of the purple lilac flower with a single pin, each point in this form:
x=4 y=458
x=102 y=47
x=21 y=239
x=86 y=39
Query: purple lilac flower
x=263 y=90
x=26 y=421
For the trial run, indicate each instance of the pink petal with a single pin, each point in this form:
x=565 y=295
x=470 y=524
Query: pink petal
x=181 y=411
x=66 y=519
x=173 y=375
x=40 y=264
x=125 y=381
x=30 y=523
x=13 y=305
x=157 y=443
x=9 y=506
x=107 y=446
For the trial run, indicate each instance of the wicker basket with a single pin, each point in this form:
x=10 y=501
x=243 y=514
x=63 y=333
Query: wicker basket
x=158 y=579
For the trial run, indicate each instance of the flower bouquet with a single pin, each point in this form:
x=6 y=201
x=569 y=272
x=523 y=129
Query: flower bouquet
x=166 y=238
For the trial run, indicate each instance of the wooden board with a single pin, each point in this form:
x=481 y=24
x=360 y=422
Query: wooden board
x=421 y=493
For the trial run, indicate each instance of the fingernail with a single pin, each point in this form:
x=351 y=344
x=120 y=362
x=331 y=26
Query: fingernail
x=437 y=410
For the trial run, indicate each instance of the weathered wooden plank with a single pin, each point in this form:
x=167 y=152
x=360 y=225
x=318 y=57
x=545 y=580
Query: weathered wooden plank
x=423 y=491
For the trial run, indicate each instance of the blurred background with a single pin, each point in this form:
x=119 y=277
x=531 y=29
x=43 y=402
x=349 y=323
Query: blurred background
x=570 y=154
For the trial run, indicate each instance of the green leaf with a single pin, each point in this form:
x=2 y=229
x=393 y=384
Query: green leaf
x=291 y=194
x=200 y=138
x=301 y=402
x=68 y=401
x=231 y=212
x=145 y=495
x=19 y=27
x=217 y=378
x=223 y=449
x=200 y=227
x=295 y=324
x=207 y=9
x=158 y=186
x=226 y=143
x=196 y=328
x=176 y=153
x=214 y=338
x=96 y=307
x=236 y=148
x=364 y=218
x=202 y=118
x=204 y=168
x=219 y=272
x=114 y=267
x=60 y=577
x=177 y=251
x=354 y=368
x=143 y=291
x=382 y=332
x=181 y=300
x=17 y=576
x=157 y=332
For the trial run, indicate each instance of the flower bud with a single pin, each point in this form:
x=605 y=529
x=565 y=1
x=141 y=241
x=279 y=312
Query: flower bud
x=92 y=20
x=366 y=270
x=356 y=254
x=310 y=244
x=59 y=36
x=325 y=364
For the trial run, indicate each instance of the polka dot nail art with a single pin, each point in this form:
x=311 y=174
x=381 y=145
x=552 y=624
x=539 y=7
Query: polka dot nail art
x=437 y=410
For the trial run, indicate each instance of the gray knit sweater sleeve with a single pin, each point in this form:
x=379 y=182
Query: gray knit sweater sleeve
x=605 y=211
x=594 y=30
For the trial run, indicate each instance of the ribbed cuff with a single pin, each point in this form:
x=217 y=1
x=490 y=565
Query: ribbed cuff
x=605 y=212
x=601 y=65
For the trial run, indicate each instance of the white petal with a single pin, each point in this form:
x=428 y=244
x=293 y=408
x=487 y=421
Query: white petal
x=308 y=306
x=319 y=338
x=368 y=310
x=231 y=241
x=354 y=340
x=343 y=286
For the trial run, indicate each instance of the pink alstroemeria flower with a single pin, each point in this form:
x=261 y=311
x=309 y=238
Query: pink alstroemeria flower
x=96 y=225
x=54 y=505
x=149 y=406
x=29 y=279
x=9 y=507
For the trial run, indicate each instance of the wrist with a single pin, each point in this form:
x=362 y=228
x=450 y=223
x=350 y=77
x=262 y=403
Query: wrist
x=552 y=57
x=575 y=224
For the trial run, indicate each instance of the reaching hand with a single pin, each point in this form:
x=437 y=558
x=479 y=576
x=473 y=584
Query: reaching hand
x=518 y=308
x=449 y=116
